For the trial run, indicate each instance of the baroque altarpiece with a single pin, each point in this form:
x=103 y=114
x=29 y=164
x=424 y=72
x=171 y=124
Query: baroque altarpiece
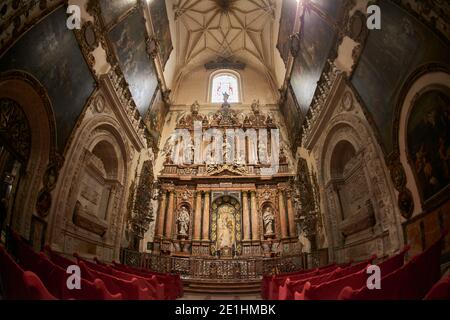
x=233 y=208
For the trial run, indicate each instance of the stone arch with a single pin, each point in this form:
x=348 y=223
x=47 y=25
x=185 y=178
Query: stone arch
x=31 y=96
x=426 y=78
x=358 y=226
x=98 y=137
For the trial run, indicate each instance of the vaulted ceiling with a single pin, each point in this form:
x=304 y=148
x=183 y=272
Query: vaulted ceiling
x=241 y=30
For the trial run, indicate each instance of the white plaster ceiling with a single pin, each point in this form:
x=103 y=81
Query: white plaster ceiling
x=209 y=29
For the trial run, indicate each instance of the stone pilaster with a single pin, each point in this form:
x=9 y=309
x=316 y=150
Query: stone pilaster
x=198 y=217
x=205 y=227
x=246 y=216
x=255 y=220
x=282 y=212
x=170 y=215
x=161 y=215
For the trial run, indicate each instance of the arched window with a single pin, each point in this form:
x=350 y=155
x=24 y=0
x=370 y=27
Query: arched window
x=225 y=83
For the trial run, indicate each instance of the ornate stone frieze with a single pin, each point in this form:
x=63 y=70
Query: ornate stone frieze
x=320 y=101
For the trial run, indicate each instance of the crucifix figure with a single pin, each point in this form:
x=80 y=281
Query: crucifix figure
x=225 y=104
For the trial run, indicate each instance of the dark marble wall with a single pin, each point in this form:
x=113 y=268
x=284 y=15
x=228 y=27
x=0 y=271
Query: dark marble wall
x=50 y=52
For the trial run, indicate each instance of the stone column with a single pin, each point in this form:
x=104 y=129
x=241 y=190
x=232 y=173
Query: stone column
x=198 y=216
x=246 y=214
x=170 y=214
x=282 y=212
x=205 y=227
x=291 y=216
x=161 y=214
x=255 y=220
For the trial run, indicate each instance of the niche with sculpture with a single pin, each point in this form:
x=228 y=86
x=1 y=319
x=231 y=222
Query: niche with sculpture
x=268 y=217
x=183 y=221
x=226 y=225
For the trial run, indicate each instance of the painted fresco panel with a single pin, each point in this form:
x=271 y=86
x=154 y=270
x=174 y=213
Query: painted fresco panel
x=156 y=116
x=390 y=55
x=128 y=39
x=292 y=116
x=287 y=21
x=112 y=10
x=51 y=53
x=161 y=27
x=316 y=43
x=330 y=7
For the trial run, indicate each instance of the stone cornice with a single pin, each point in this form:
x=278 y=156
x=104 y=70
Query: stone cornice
x=124 y=111
x=332 y=82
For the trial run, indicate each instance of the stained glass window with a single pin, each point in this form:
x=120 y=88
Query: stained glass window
x=225 y=83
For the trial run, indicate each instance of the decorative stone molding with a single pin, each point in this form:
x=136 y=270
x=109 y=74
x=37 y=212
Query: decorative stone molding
x=331 y=82
x=118 y=91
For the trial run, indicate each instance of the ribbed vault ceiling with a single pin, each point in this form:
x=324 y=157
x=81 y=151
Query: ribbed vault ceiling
x=211 y=29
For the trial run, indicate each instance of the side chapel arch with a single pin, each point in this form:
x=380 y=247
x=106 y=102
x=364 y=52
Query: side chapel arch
x=359 y=201
x=99 y=153
x=27 y=92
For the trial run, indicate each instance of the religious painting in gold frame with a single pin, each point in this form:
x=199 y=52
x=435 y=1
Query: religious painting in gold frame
x=226 y=227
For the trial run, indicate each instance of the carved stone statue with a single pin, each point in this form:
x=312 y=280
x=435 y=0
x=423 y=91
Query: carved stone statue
x=225 y=104
x=304 y=241
x=268 y=219
x=263 y=154
x=228 y=152
x=255 y=106
x=168 y=159
x=183 y=222
x=283 y=157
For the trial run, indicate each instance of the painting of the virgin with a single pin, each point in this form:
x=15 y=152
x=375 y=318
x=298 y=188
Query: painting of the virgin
x=226 y=227
x=428 y=139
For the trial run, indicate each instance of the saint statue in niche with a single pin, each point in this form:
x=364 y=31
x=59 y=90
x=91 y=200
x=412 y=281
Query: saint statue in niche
x=304 y=241
x=225 y=223
x=268 y=218
x=183 y=221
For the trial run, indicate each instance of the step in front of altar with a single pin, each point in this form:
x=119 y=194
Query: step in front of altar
x=221 y=286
